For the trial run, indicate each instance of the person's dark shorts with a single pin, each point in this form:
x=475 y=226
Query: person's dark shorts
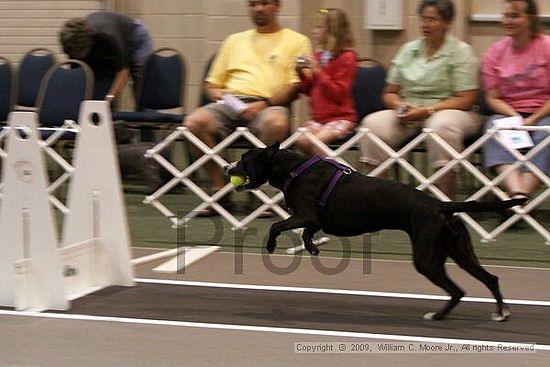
x=229 y=120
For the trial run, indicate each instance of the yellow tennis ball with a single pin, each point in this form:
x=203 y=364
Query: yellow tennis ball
x=237 y=181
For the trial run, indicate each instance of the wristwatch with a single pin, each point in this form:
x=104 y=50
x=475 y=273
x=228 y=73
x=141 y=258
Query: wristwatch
x=110 y=97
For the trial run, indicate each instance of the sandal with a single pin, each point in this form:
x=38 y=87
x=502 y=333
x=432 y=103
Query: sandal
x=507 y=213
x=207 y=212
x=519 y=195
x=268 y=213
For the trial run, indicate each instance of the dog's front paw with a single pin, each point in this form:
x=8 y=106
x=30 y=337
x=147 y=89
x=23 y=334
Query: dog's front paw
x=502 y=316
x=433 y=316
x=271 y=246
x=312 y=249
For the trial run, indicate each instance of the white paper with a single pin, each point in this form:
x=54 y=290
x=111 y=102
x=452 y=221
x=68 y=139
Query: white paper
x=517 y=139
x=234 y=103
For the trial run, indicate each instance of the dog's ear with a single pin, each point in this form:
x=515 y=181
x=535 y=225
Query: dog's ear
x=271 y=150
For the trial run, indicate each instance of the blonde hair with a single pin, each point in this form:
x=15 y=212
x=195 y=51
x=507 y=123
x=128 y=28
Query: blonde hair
x=339 y=33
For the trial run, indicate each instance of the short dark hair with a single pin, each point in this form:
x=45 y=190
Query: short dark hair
x=276 y=2
x=75 y=36
x=533 y=12
x=445 y=8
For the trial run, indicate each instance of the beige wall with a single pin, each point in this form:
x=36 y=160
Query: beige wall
x=493 y=6
x=26 y=24
x=197 y=27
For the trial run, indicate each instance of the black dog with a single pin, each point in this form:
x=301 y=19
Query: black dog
x=322 y=195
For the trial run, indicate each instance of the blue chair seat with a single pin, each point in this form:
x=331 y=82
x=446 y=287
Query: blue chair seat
x=6 y=88
x=368 y=88
x=46 y=133
x=367 y=94
x=32 y=69
x=148 y=116
x=62 y=90
x=160 y=88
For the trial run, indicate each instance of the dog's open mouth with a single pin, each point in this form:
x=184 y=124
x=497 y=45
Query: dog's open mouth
x=240 y=183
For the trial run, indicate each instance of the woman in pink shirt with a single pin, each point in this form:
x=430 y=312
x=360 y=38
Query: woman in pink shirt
x=327 y=78
x=516 y=78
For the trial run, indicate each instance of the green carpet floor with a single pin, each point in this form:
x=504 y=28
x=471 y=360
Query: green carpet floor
x=522 y=247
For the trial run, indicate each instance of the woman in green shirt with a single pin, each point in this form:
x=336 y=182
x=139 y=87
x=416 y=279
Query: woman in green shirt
x=432 y=82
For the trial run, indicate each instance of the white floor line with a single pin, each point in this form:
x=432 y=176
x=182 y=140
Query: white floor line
x=185 y=259
x=396 y=261
x=156 y=256
x=343 y=334
x=296 y=250
x=335 y=291
x=380 y=260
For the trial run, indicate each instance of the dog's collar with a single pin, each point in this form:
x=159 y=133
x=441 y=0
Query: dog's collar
x=342 y=170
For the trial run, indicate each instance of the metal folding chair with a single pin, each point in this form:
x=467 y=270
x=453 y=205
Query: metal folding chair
x=62 y=90
x=160 y=88
x=32 y=68
x=7 y=88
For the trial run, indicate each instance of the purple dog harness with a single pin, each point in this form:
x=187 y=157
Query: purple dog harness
x=342 y=170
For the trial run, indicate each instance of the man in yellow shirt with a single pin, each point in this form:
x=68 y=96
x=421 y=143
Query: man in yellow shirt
x=257 y=67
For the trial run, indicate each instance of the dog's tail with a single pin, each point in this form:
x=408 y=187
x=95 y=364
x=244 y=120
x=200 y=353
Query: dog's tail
x=478 y=206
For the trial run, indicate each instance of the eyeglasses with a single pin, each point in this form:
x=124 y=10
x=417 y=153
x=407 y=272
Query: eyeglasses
x=430 y=20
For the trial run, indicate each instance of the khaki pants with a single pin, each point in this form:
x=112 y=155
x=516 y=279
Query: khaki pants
x=451 y=125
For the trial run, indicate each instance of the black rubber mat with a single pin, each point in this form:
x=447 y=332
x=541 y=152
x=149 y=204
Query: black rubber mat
x=366 y=314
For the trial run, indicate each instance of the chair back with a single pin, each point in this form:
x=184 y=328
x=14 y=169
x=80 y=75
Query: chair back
x=368 y=87
x=163 y=81
x=7 y=88
x=32 y=68
x=62 y=90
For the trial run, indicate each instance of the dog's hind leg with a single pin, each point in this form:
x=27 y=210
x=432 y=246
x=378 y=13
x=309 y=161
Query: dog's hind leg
x=439 y=277
x=490 y=281
x=462 y=252
x=307 y=236
x=429 y=255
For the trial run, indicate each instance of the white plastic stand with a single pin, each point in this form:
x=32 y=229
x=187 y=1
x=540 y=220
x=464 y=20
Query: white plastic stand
x=96 y=250
x=96 y=208
x=27 y=227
